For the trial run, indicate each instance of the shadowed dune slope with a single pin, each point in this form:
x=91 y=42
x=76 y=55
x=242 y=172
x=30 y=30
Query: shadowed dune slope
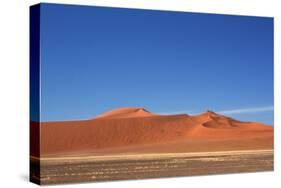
x=137 y=130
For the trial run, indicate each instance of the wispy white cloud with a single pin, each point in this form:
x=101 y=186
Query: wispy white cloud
x=247 y=110
x=226 y=112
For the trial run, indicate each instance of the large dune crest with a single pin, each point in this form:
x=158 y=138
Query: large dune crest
x=139 y=131
x=126 y=112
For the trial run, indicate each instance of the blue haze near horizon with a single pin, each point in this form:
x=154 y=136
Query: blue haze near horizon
x=96 y=59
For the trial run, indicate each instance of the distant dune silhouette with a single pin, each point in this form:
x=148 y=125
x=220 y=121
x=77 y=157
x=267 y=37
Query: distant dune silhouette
x=136 y=130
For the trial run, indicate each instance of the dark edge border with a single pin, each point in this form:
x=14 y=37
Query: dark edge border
x=34 y=93
x=273 y=81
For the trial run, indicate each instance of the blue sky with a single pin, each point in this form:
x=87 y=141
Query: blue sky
x=96 y=59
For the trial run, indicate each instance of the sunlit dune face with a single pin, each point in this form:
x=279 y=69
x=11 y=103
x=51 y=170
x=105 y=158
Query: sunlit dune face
x=126 y=112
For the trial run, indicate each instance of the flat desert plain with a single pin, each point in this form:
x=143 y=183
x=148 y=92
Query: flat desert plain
x=132 y=143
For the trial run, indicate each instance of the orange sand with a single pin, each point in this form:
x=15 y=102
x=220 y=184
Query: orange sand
x=135 y=130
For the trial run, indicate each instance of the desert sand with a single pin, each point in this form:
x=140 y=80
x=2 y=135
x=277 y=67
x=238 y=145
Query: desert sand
x=136 y=130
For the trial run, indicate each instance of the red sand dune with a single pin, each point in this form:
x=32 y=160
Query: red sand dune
x=126 y=113
x=136 y=130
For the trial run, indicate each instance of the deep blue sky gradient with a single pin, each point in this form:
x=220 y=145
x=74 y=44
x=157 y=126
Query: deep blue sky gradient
x=95 y=59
